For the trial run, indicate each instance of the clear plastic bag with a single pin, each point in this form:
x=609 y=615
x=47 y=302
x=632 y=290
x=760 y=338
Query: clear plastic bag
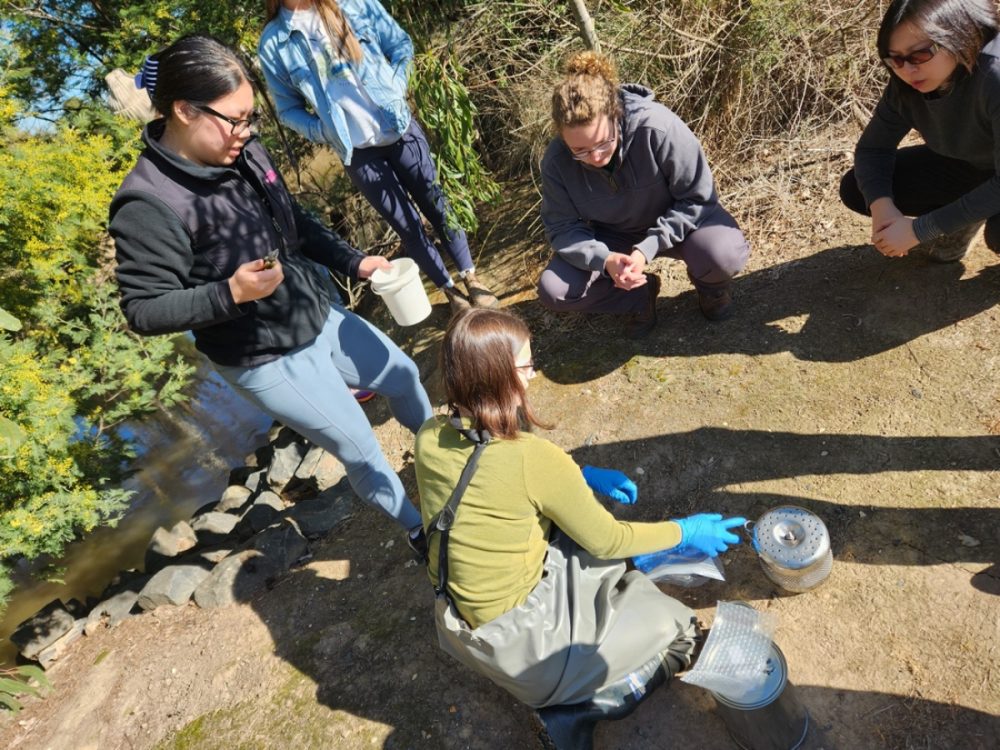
x=680 y=567
x=733 y=661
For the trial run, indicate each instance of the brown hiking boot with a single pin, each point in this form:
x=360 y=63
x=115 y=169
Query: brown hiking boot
x=641 y=323
x=715 y=304
x=455 y=299
x=479 y=295
x=951 y=248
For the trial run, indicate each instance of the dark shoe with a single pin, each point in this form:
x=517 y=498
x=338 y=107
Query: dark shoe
x=951 y=248
x=455 y=299
x=572 y=727
x=418 y=544
x=640 y=324
x=479 y=295
x=715 y=304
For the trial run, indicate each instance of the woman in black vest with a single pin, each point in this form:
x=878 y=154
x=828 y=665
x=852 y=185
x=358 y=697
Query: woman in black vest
x=209 y=240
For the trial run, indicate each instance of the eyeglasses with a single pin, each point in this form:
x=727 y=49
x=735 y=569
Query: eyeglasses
x=599 y=150
x=529 y=366
x=239 y=126
x=917 y=57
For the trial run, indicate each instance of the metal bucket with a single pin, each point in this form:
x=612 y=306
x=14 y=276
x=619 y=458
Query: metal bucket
x=794 y=548
x=769 y=718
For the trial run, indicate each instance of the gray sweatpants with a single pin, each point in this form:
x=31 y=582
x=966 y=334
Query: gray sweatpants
x=713 y=253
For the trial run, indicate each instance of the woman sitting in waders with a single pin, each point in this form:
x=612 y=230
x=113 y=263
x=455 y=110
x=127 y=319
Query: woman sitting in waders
x=532 y=589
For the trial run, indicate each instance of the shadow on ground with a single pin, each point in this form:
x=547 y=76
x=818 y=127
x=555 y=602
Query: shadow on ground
x=702 y=467
x=841 y=304
x=369 y=652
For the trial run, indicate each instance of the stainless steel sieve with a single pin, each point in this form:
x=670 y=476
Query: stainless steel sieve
x=793 y=546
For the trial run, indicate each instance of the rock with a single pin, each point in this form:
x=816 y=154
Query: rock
x=237 y=578
x=310 y=463
x=173 y=585
x=282 y=544
x=42 y=629
x=261 y=514
x=271 y=500
x=318 y=516
x=118 y=605
x=255 y=482
x=77 y=608
x=329 y=472
x=233 y=499
x=166 y=544
x=240 y=474
x=56 y=650
x=212 y=555
x=286 y=460
x=260 y=457
x=280 y=436
x=206 y=508
x=126 y=580
x=214 y=527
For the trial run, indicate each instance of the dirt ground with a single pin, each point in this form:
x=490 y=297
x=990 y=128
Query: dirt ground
x=859 y=387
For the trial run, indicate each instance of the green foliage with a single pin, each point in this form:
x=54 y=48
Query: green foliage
x=449 y=114
x=73 y=44
x=72 y=371
x=50 y=490
x=14 y=684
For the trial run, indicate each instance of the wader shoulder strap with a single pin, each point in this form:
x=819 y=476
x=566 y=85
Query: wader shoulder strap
x=444 y=520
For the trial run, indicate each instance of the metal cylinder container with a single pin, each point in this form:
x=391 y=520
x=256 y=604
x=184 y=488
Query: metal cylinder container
x=794 y=548
x=769 y=718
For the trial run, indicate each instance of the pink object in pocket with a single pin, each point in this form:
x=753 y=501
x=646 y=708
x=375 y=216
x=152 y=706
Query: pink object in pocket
x=271 y=176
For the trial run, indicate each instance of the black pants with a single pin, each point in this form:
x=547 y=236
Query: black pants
x=924 y=181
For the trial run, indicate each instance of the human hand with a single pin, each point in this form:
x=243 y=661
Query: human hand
x=626 y=270
x=883 y=210
x=371 y=264
x=612 y=483
x=255 y=280
x=708 y=533
x=894 y=238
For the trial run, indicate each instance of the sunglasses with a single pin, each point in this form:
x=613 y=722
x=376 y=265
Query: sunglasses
x=917 y=57
x=238 y=125
x=600 y=149
x=529 y=365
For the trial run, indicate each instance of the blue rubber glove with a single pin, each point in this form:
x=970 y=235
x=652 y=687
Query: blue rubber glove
x=612 y=483
x=708 y=533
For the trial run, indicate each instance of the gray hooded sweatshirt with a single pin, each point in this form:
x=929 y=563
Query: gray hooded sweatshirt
x=659 y=191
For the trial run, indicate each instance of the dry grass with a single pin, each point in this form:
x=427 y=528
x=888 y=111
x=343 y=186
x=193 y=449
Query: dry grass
x=750 y=79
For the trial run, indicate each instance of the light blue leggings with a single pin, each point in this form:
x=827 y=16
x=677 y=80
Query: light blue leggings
x=308 y=390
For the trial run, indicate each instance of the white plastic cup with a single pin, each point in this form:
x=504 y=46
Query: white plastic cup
x=403 y=292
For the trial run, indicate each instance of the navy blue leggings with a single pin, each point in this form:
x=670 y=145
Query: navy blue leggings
x=395 y=177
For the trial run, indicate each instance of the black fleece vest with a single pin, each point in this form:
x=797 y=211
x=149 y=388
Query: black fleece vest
x=241 y=215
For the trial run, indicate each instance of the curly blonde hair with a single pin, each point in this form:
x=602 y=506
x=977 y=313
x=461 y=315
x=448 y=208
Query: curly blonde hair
x=589 y=91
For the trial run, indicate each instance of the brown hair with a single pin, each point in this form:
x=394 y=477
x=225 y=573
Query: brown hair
x=336 y=23
x=589 y=91
x=479 y=372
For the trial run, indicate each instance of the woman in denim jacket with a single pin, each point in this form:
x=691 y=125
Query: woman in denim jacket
x=338 y=74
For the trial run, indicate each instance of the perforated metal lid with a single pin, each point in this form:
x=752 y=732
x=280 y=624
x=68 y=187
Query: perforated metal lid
x=791 y=538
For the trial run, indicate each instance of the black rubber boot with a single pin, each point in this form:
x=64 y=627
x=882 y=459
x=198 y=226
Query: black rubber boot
x=572 y=727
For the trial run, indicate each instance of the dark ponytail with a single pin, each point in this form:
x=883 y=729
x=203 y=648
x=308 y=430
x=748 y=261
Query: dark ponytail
x=197 y=68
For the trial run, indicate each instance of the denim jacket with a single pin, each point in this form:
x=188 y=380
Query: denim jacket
x=293 y=79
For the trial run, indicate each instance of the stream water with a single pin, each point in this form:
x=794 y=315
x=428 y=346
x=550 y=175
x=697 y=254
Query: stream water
x=185 y=458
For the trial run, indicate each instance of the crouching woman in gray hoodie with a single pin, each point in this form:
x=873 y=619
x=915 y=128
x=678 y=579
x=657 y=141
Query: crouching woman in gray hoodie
x=624 y=182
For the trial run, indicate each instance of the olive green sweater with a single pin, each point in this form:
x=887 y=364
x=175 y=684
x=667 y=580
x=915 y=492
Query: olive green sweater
x=502 y=528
